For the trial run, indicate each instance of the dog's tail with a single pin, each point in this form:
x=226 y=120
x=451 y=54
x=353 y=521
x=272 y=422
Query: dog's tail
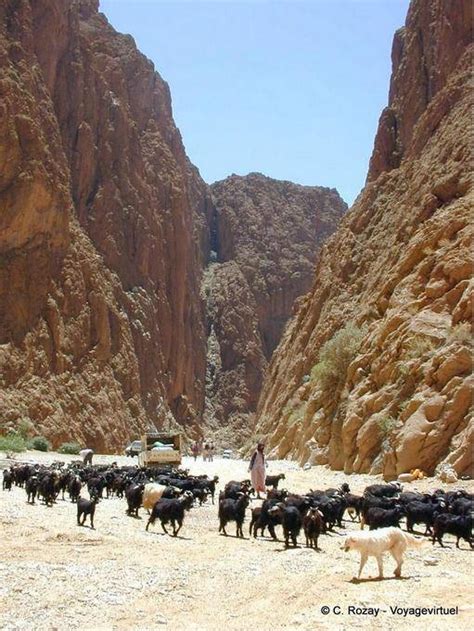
x=414 y=542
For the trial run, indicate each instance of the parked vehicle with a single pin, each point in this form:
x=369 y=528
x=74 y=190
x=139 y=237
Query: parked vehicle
x=160 y=449
x=134 y=448
x=227 y=454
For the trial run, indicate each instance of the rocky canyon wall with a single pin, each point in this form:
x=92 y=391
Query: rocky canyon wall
x=103 y=233
x=265 y=235
x=374 y=371
x=105 y=229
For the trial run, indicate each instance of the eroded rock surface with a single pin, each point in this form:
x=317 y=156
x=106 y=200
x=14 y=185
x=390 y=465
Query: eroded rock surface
x=105 y=228
x=103 y=233
x=265 y=235
x=399 y=268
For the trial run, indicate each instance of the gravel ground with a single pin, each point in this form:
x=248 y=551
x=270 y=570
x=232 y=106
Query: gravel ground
x=56 y=575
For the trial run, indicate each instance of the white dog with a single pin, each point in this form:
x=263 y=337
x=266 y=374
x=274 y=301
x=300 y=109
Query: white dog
x=375 y=542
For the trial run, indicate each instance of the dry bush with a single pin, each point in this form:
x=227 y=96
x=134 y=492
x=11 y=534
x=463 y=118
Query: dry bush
x=336 y=355
x=460 y=333
x=386 y=424
x=419 y=347
x=25 y=428
x=403 y=369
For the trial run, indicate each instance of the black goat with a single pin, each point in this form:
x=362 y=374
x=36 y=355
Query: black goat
x=423 y=513
x=233 y=510
x=21 y=473
x=262 y=519
x=208 y=484
x=47 y=487
x=353 y=505
x=7 y=480
x=74 y=488
x=31 y=488
x=301 y=502
x=201 y=495
x=412 y=496
x=134 y=497
x=383 y=490
x=276 y=494
x=256 y=514
x=86 y=507
x=171 y=510
x=291 y=521
x=313 y=526
x=370 y=501
x=273 y=480
x=233 y=489
x=118 y=485
x=96 y=485
x=458 y=525
x=332 y=508
x=461 y=506
x=384 y=518
x=62 y=482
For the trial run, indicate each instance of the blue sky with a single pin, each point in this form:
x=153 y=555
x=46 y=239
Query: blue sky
x=292 y=89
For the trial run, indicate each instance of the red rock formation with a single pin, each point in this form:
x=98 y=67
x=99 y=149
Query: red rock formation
x=103 y=232
x=399 y=267
x=235 y=360
x=266 y=234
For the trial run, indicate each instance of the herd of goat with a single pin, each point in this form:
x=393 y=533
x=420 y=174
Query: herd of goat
x=168 y=494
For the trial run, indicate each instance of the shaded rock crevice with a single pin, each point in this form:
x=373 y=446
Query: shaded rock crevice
x=265 y=236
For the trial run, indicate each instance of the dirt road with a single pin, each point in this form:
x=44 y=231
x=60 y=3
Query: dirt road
x=56 y=575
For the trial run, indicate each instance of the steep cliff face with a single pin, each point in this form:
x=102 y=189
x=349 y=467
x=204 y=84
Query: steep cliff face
x=103 y=232
x=265 y=236
x=374 y=371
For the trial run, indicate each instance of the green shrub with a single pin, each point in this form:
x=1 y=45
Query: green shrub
x=70 y=448
x=336 y=355
x=403 y=369
x=25 y=427
x=40 y=443
x=386 y=424
x=12 y=442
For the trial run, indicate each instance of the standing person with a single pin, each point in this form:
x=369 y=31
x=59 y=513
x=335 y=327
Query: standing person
x=257 y=470
x=211 y=452
x=86 y=456
x=205 y=451
x=195 y=450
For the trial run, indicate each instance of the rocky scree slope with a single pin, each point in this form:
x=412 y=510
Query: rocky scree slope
x=373 y=373
x=265 y=235
x=103 y=233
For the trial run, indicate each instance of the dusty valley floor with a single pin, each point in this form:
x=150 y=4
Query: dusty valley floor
x=55 y=575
